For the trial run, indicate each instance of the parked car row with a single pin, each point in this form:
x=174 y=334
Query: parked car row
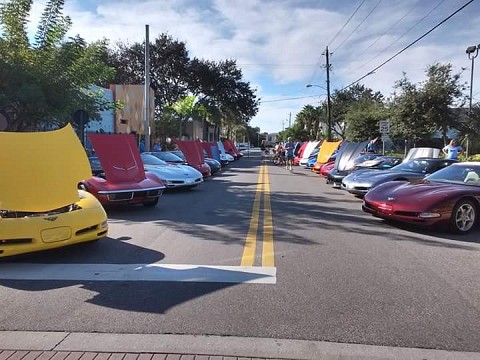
x=421 y=189
x=51 y=211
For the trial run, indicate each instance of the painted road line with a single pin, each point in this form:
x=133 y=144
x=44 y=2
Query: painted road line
x=138 y=272
x=248 y=257
x=268 y=254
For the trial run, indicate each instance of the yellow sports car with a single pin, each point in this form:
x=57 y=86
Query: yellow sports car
x=40 y=206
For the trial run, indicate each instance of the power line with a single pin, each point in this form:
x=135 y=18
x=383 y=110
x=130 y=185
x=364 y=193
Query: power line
x=287 y=99
x=346 y=23
x=410 y=45
x=401 y=36
x=361 y=22
x=333 y=39
x=386 y=31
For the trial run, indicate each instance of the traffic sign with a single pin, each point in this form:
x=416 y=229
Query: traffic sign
x=384 y=126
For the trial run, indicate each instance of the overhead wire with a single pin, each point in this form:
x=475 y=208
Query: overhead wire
x=400 y=37
x=346 y=23
x=333 y=39
x=386 y=32
x=360 y=24
x=410 y=45
x=292 y=98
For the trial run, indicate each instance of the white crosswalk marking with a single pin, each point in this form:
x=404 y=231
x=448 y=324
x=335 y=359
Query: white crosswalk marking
x=139 y=272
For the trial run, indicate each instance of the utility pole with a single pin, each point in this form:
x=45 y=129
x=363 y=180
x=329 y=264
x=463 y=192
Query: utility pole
x=147 y=90
x=329 y=104
x=290 y=120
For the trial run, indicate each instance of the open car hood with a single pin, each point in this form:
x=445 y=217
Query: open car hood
x=41 y=170
x=119 y=156
x=416 y=153
x=347 y=153
x=326 y=150
x=192 y=152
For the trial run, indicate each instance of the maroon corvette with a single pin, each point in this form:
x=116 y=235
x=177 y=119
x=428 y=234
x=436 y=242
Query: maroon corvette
x=450 y=196
x=118 y=173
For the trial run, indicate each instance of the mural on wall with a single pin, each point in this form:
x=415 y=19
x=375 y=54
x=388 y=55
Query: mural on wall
x=131 y=117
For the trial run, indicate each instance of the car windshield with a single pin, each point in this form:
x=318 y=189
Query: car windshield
x=178 y=153
x=363 y=158
x=167 y=156
x=415 y=166
x=152 y=160
x=461 y=174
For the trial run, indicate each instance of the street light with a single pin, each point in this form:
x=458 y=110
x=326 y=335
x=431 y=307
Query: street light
x=329 y=115
x=472 y=52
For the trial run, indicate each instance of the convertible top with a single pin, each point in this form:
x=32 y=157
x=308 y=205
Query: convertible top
x=41 y=170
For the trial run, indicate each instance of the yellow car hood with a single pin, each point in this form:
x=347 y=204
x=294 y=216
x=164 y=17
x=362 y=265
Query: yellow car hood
x=326 y=150
x=41 y=170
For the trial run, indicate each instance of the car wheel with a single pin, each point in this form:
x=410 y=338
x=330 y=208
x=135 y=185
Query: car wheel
x=464 y=217
x=151 y=203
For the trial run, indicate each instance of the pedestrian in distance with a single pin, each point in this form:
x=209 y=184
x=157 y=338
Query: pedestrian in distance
x=372 y=146
x=157 y=147
x=289 y=150
x=452 y=150
x=141 y=146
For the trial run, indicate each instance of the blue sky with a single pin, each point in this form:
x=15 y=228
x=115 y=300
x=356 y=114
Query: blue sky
x=278 y=44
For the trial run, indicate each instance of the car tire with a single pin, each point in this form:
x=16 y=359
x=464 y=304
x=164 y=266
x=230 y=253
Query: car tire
x=151 y=203
x=464 y=217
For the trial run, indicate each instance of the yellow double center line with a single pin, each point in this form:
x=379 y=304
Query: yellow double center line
x=268 y=255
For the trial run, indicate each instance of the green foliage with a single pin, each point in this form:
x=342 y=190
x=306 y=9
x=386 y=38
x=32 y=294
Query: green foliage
x=344 y=101
x=218 y=86
x=43 y=84
x=363 y=120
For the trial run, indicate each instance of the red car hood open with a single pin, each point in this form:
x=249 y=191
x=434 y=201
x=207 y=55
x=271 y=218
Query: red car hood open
x=191 y=151
x=119 y=156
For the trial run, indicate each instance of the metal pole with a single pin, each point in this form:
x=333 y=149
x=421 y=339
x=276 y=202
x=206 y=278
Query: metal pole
x=470 y=102
x=147 y=90
x=329 y=105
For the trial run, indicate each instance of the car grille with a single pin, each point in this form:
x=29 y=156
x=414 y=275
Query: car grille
x=8 y=214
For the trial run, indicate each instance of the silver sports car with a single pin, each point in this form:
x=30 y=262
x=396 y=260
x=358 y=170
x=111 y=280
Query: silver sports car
x=359 y=182
x=174 y=176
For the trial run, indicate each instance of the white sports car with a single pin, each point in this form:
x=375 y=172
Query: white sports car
x=174 y=176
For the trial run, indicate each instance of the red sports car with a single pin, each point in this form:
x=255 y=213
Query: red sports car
x=119 y=175
x=192 y=151
x=450 y=196
x=296 y=159
x=325 y=168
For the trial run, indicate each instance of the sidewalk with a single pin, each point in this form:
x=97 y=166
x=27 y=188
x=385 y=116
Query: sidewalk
x=30 y=345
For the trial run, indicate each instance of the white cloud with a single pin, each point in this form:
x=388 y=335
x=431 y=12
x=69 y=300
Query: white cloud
x=279 y=44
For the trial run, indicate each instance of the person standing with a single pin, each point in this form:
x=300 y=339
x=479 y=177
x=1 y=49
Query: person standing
x=157 y=147
x=452 y=150
x=289 y=149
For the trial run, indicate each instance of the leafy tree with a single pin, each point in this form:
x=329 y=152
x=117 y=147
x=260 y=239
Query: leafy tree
x=217 y=86
x=186 y=109
x=441 y=93
x=363 y=120
x=344 y=101
x=44 y=83
x=410 y=121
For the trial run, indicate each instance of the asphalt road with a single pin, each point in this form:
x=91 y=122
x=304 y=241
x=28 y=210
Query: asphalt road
x=341 y=275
